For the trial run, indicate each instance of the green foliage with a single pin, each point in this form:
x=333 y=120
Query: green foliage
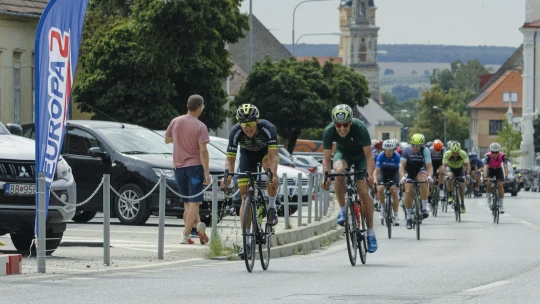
x=403 y=111
x=142 y=59
x=297 y=95
x=418 y=52
x=430 y=121
x=388 y=72
x=461 y=76
x=312 y=133
x=510 y=139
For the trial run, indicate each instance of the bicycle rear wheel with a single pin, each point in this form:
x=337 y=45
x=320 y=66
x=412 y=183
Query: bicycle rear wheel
x=264 y=246
x=362 y=239
x=351 y=228
x=445 y=199
x=435 y=200
x=495 y=206
x=248 y=238
x=457 y=203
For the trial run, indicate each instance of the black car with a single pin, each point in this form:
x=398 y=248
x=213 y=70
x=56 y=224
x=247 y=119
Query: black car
x=135 y=158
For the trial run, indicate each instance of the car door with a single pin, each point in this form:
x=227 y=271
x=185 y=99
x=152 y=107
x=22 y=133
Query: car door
x=87 y=170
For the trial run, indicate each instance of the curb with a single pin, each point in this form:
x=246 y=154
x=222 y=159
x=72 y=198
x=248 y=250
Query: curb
x=306 y=238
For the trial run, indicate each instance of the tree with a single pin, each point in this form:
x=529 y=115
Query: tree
x=460 y=76
x=430 y=121
x=510 y=140
x=388 y=71
x=143 y=58
x=403 y=111
x=297 y=95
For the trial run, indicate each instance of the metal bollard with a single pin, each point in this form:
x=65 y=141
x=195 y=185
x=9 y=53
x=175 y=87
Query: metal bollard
x=316 y=192
x=286 y=200
x=107 y=219
x=310 y=196
x=42 y=233
x=300 y=196
x=321 y=200
x=214 y=206
x=161 y=229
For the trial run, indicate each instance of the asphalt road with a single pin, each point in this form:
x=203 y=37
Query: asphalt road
x=475 y=261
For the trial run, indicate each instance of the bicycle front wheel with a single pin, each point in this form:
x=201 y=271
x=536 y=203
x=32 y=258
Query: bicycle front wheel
x=351 y=229
x=264 y=247
x=249 y=235
x=362 y=239
x=457 y=204
x=495 y=206
x=435 y=200
x=388 y=214
x=418 y=215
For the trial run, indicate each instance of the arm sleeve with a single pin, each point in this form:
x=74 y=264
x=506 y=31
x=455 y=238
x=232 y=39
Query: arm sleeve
x=233 y=141
x=464 y=156
x=427 y=156
x=271 y=132
x=203 y=134
x=327 y=138
x=446 y=157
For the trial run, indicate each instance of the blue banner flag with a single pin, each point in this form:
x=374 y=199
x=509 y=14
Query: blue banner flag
x=56 y=53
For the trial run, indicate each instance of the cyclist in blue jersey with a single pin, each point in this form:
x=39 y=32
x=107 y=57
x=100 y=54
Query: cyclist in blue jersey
x=387 y=170
x=477 y=166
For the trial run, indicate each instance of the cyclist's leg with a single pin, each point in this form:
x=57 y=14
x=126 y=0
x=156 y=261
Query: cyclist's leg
x=367 y=204
x=422 y=177
x=380 y=192
x=477 y=177
x=340 y=166
x=248 y=162
x=395 y=197
x=411 y=175
x=500 y=176
x=272 y=190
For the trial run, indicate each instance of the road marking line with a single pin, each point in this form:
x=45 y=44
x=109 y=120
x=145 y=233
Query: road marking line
x=491 y=285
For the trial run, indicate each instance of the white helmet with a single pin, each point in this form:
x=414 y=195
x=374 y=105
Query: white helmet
x=389 y=144
x=374 y=141
x=495 y=147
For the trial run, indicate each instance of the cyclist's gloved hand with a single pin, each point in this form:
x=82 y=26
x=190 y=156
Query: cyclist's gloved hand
x=402 y=181
x=430 y=179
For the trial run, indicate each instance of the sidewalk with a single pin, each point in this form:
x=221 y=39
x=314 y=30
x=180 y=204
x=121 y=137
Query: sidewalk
x=132 y=247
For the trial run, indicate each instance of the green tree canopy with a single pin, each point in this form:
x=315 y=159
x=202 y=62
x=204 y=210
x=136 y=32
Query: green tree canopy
x=143 y=58
x=460 y=76
x=297 y=95
x=510 y=140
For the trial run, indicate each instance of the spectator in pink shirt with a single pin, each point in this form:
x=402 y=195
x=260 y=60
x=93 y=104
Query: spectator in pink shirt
x=190 y=136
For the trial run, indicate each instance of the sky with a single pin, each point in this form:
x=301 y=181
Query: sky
x=449 y=22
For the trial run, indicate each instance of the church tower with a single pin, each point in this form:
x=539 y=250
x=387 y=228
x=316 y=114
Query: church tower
x=358 y=45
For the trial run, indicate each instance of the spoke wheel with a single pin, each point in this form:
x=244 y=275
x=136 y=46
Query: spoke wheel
x=351 y=230
x=389 y=217
x=363 y=240
x=418 y=218
x=248 y=238
x=264 y=247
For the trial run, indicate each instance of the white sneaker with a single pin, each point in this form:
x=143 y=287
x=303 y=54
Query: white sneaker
x=396 y=220
x=441 y=193
x=501 y=209
x=428 y=207
x=381 y=214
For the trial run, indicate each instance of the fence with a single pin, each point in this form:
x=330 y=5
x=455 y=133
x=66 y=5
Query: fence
x=317 y=199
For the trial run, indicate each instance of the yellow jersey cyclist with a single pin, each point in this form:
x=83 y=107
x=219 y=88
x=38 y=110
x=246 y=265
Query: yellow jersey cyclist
x=494 y=162
x=456 y=159
x=258 y=144
x=353 y=147
x=416 y=164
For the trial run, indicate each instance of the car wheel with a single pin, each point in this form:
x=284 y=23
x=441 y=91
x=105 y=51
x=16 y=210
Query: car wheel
x=83 y=216
x=131 y=213
x=22 y=241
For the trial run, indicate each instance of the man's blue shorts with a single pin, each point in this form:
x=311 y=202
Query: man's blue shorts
x=189 y=181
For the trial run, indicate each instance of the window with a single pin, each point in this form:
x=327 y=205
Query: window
x=510 y=97
x=78 y=142
x=495 y=126
x=385 y=136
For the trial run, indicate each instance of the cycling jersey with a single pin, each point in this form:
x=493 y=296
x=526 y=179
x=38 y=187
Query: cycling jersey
x=415 y=162
x=455 y=162
x=495 y=163
x=388 y=163
x=476 y=163
x=437 y=157
x=264 y=138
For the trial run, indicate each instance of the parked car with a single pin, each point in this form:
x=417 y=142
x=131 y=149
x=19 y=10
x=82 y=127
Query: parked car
x=135 y=157
x=512 y=184
x=18 y=192
x=307 y=160
x=533 y=179
x=292 y=176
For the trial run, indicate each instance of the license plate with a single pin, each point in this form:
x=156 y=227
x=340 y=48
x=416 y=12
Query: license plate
x=19 y=189
x=208 y=195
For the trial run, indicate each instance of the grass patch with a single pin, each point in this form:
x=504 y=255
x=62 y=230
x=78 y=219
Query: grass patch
x=218 y=248
x=300 y=251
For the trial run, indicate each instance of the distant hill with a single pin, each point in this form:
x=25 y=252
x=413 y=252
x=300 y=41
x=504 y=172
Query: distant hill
x=496 y=55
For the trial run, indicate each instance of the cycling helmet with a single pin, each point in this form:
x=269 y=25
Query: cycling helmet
x=374 y=141
x=438 y=145
x=472 y=155
x=378 y=145
x=389 y=145
x=417 y=139
x=495 y=147
x=455 y=146
x=342 y=113
x=429 y=144
x=247 y=112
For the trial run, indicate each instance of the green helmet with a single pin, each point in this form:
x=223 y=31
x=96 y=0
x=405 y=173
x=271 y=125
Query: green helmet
x=455 y=146
x=342 y=113
x=417 y=139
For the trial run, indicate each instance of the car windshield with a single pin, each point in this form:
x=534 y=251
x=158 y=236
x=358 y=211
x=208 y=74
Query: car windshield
x=136 y=141
x=3 y=130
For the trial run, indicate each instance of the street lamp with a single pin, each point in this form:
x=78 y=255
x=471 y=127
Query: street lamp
x=294 y=13
x=442 y=111
x=319 y=34
x=377 y=52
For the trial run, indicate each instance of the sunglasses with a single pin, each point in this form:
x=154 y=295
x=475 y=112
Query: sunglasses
x=248 y=124
x=342 y=125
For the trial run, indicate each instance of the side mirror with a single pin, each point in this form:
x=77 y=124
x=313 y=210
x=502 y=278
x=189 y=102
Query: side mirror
x=14 y=129
x=96 y=152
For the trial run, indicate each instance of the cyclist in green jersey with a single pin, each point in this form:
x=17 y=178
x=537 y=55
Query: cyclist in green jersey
x=457 y=159
x=353 y=147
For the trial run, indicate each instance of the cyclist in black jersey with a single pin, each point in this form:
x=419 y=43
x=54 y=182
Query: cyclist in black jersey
x=258 y=144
